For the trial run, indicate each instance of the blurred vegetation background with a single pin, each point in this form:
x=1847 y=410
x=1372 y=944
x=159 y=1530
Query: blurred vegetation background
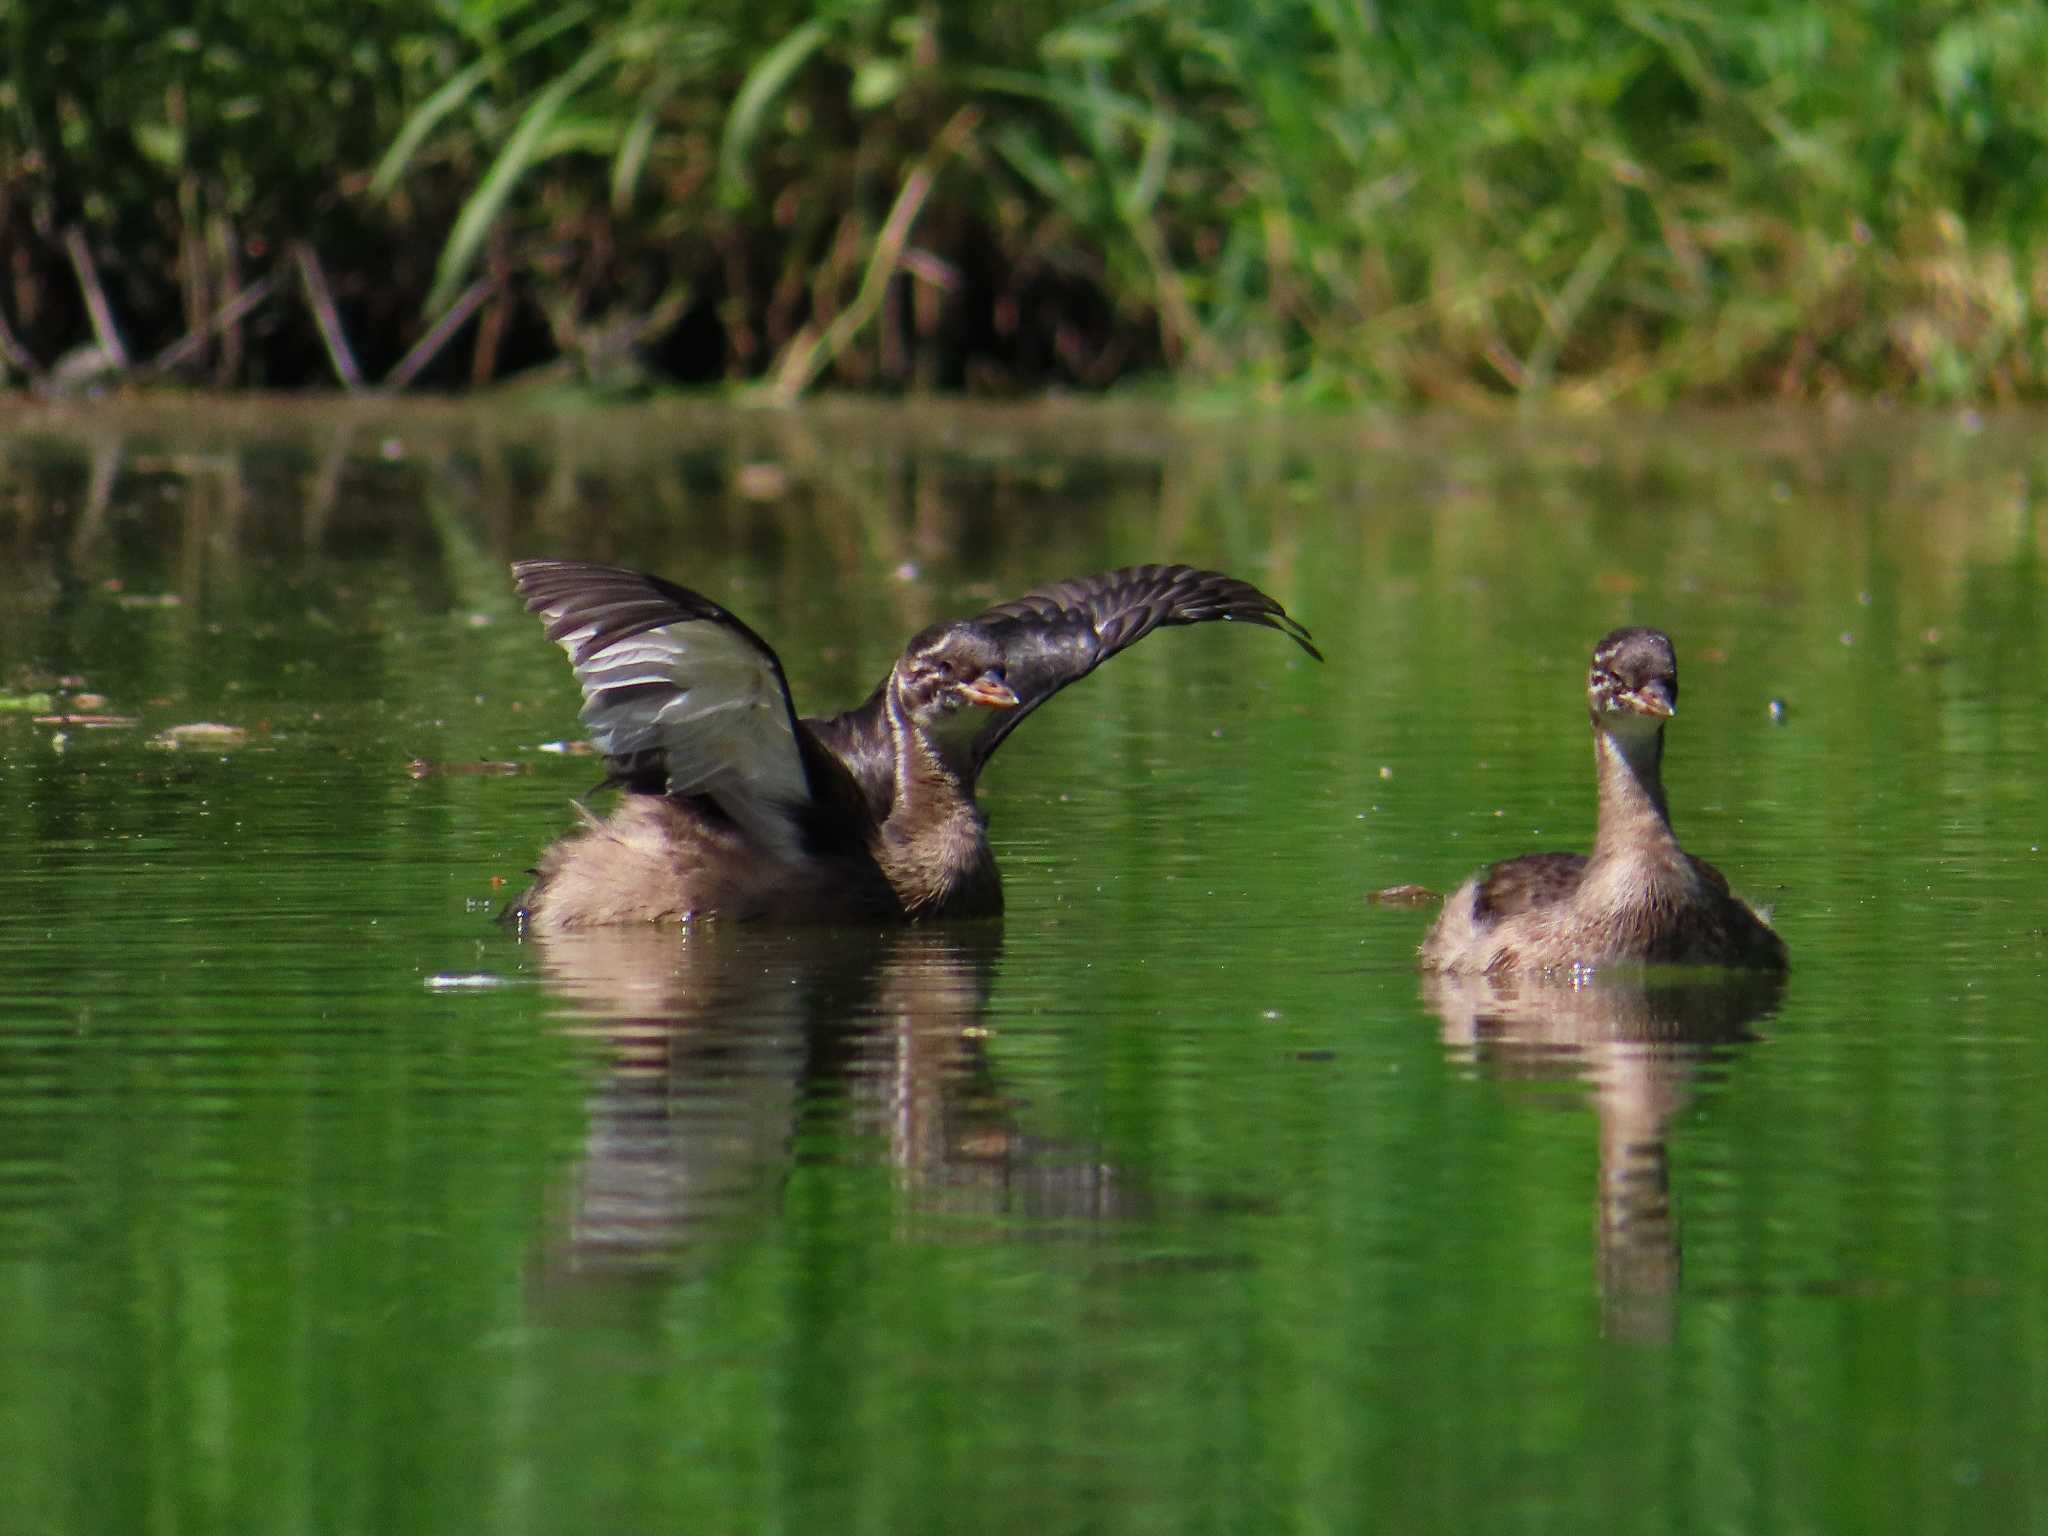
x=1463 y=201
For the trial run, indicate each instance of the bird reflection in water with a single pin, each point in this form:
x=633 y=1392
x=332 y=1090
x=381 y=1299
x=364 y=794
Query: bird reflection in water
x=1639 y=1041
x=737 y=1050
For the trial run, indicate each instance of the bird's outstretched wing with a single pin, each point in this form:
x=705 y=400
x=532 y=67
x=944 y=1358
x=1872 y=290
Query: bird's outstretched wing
x=678 y=693
x=1061 y=632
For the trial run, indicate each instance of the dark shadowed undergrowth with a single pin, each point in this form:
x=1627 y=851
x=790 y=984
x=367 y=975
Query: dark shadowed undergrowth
x=1305 y=199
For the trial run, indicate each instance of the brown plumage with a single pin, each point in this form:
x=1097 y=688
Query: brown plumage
x=1640 y=898
x=734 y=806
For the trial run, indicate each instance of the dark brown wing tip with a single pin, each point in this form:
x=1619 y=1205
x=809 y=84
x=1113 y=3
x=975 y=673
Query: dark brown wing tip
x=1291 y=627
x=548 y=580
x=616 y=603
x=543 y=583
x=527 y=572
x=1213 y=594
x=1274 y=618
x=1132 y=600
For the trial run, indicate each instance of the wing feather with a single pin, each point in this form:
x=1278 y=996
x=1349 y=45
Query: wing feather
x=678 y=693
x=1522 y=884
x=1059 y=633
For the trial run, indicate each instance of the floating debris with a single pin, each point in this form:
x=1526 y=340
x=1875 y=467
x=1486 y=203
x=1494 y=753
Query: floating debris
x=424 y=768
x=92 y=722
x=31 y=703
x=476 y=981
x=203 y=734
x=1403 y=896
x=761 y=481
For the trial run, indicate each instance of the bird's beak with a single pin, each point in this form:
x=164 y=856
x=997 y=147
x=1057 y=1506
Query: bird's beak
x=991 y=692
x=1653 y=699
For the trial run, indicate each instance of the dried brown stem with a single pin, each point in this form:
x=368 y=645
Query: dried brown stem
x=429 y=346
x=320 y=299
x=224 y=251
x=490 y=331
x=104 y=331
x=190 y=346
x=809 y=355
x=14 y=354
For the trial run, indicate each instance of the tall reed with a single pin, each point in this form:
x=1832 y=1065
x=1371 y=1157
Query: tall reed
x=1305 y=199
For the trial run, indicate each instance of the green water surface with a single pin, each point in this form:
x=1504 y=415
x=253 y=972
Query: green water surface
x=1168 y=1203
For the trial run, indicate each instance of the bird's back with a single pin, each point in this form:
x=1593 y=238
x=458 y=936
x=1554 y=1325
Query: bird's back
x=1551 y=911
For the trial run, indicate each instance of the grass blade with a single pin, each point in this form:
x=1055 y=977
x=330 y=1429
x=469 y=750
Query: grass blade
x=527 y=146
x=764 y=82
x=460 y=86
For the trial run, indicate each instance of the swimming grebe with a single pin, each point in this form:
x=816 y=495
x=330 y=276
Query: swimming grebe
x=1640 y=899
x=735 y=806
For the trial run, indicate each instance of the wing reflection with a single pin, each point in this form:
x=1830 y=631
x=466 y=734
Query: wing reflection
x=1639 y=1044
x=738 y=1051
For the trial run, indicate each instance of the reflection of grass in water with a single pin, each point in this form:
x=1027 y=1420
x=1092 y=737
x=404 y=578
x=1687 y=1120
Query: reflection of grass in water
x=1327 y=201
x=905 y=514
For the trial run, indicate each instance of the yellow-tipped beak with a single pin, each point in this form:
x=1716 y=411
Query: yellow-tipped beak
x=990 y=693
x=1653 y=701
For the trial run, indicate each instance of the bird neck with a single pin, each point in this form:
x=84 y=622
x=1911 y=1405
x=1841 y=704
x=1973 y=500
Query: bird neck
x=862 y=744
x=1633 y=816
x=933 y=844
x=927 y=765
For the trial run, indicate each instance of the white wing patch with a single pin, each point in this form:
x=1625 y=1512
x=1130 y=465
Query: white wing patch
x=711 y=705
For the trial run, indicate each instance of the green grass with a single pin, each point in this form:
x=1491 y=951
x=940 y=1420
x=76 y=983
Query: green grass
x=1319 y=200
